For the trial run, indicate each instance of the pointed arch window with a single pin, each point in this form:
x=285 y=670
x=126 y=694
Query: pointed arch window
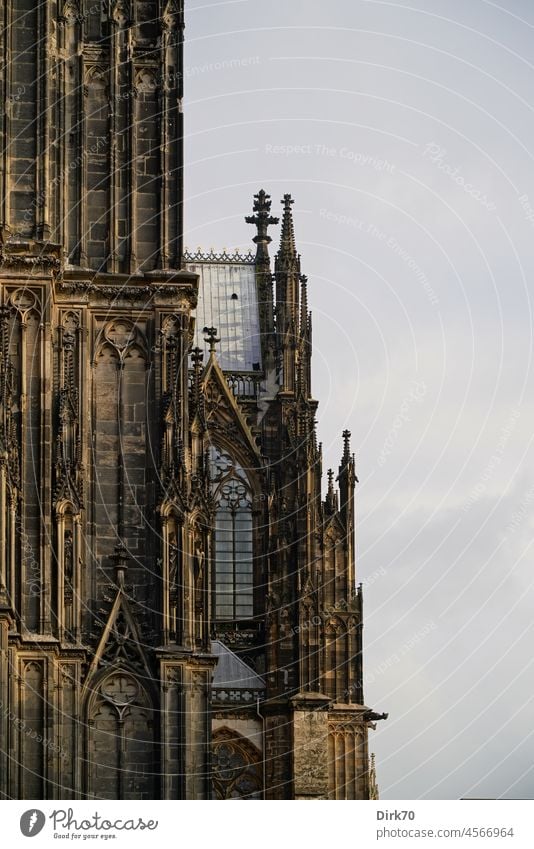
x=234 y=572
x=236 y=766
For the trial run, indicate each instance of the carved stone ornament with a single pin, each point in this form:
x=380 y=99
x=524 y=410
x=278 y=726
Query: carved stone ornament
x=173 y=675
x=121 y=691
x=120 y=333
x=120 y=12
x=146 y=80
x=70 y=13
x=171 y=15
x=23 y=300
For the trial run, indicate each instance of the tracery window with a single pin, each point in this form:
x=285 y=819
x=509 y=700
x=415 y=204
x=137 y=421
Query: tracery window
x=236 y=767
x=120 y=739
x=234 y=576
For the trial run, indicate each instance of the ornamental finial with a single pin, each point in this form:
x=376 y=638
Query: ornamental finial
x=210 y=335
x=263 y=220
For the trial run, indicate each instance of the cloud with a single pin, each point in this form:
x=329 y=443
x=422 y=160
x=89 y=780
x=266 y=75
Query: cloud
x=448 y=514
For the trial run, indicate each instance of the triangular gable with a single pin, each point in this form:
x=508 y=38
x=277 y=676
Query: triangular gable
x=213 y=373
x=120 y=640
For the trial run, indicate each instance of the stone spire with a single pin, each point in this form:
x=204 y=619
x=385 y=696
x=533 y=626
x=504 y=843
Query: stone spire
x=288 y=281
x=263 y=220
x=197 y=356
x=331 y=503
x=347 y=479
x=287 y=253
x=304 y=315
x=346 y=447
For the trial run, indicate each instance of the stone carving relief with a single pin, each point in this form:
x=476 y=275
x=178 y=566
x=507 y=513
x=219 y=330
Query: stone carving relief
x=120 y=12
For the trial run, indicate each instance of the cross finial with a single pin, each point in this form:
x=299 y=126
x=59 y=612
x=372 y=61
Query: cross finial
x=262 y=208
x=263 y=220
x=210 y=335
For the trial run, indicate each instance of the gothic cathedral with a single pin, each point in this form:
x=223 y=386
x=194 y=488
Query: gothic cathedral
x=179 y=617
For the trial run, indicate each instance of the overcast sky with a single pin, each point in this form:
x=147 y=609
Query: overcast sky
x=405 y=133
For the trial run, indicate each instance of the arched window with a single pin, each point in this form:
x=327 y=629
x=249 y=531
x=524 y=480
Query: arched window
x=236 y=766
x=121 y=740
x=234 y=574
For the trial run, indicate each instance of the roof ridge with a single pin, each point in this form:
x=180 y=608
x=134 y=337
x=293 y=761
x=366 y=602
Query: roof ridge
x=223 y=256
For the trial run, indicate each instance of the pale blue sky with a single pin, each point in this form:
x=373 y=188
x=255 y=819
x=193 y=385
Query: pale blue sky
x=404 y=132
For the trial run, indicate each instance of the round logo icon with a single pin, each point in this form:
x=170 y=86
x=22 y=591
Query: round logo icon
x=32 y=822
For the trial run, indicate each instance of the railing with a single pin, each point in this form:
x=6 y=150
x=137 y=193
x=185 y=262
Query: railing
x=214 y=257
x=242 y=384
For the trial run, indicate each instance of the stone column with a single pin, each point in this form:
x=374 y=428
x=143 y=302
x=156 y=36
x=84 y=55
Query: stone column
x=5 y=624
x=198 y=730
x=172 y=731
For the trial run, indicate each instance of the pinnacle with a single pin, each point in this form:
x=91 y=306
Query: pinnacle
x=287 y=239
x=263 y=219
x=330 y=474
x=346 y=445
x=303 y=303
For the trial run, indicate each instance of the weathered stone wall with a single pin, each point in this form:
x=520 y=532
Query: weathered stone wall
x=310 y=754
x=91 y=142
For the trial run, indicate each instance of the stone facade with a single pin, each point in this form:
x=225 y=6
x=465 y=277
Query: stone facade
x=161 y=515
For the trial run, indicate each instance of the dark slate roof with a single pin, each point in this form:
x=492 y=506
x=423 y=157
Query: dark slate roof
x=228 y=300
x=231 y=672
